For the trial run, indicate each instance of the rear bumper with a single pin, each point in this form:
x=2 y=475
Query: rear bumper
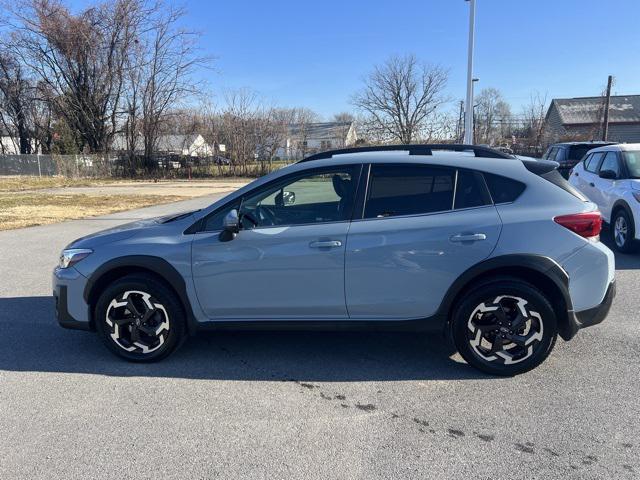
x=591 y=316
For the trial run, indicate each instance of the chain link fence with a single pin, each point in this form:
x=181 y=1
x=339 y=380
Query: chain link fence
x=118 y=166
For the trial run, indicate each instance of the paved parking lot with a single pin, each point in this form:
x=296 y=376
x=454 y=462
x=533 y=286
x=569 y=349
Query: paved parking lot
x=301 y=405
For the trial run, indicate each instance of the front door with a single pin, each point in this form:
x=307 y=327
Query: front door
x=287 y=261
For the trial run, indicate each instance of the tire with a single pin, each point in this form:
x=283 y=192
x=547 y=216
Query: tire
x=623 y=232
x=140 y=319
x=515 y=341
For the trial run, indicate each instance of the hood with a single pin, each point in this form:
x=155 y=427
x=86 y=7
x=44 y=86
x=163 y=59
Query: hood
x=126 y=230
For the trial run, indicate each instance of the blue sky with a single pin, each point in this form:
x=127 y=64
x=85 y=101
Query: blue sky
x=315 y=54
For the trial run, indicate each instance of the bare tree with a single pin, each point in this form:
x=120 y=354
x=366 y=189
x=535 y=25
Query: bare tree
x=400 y=95
x=533 y=115
x=492 y=117
x=171 y=58
x=80 y=57
x=16 y=102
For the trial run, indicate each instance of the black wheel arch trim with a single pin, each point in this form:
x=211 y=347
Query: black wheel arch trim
x=540 y=264
x=156 y=265
x=624 y=205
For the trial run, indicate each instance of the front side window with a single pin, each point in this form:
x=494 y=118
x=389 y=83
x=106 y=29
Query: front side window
x=632 y=159
x=610 y=162
x=316 y=197
x=408 y=190
x=594 y=162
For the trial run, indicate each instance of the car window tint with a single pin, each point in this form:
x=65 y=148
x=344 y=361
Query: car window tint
x=560 y=155
x=213 y=223
x=551 y=154
x=587 y=160
x=502 y=189
x=408 y=190
x=594 y=162
x=316 y=197
x=576 y=152
x=470 y=190
x=632 y=159
x=610 y=162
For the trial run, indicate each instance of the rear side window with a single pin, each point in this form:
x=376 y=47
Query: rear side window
x=471 y=190
x=502 y=189
x=576 y=152
x=408 y=190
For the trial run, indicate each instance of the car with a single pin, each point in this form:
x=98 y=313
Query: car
x=568 y=154
x=610 y=177
x=498 y=254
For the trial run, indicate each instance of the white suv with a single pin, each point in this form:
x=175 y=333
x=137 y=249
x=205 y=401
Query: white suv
x=610 y=177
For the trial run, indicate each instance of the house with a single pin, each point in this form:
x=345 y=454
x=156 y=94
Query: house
x=9 y=145
x=193 y=145
x=582 y=118
x=308 y=138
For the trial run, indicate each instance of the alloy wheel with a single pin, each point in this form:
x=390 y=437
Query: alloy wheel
x=138 y=322
x=504 y=330
x=620 y=231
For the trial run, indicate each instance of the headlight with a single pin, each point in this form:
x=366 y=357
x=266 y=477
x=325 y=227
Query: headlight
x=636 y=195
x=71 y=256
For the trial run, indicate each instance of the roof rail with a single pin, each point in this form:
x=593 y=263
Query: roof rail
x=419 y=149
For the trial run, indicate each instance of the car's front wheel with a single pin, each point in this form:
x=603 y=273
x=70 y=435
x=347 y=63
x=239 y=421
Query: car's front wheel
x=623 y=232
x=504 y=327
x=139 y=318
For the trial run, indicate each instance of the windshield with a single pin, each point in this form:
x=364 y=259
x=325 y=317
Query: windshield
x=632 y=159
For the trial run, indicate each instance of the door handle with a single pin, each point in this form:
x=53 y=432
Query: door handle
x=326 y=244
x=592 y=184
x=472 y=237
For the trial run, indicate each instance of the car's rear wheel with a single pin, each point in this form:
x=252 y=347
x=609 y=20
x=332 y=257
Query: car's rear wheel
x=504 y=327
x=139 y=319
x=623 y=232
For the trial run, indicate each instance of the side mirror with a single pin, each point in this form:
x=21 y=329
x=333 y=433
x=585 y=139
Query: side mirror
x=230 y=225
x=288 y=198
x=608 y=174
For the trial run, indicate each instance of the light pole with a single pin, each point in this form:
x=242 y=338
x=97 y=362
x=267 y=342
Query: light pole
x=468 y=120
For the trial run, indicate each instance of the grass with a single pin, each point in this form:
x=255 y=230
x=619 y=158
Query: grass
x=18 y=210
x=21 y=183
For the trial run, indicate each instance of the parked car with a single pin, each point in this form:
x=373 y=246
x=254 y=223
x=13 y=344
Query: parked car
x=568 y=154
x=500 y=254
x=610 y=177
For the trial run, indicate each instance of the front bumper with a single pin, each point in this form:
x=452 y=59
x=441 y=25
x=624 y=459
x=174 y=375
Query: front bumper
x=71 y=310
x=591 y=316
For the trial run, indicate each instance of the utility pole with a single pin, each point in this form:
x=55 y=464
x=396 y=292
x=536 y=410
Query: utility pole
x=607 y=102
x=468 y=121
x=460 y=126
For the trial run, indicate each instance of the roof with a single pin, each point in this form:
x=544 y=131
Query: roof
x=164 y=143
x=589 y=110
x=618 y=147
x=590 y=142
x=322 y=130
x=414 y=149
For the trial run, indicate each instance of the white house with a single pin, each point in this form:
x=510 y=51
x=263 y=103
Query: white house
x=193 y=145
x=305 y=139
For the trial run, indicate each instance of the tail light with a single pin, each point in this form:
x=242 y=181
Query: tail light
x=587 y=225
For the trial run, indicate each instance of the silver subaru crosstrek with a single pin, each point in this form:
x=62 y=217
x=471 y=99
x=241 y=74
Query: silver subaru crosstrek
x=500 y=254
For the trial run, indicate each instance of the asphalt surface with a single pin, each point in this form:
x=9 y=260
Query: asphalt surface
x=301 y=405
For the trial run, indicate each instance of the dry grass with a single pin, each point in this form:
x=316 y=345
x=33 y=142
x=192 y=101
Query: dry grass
x=18 y=210
x=21 y=183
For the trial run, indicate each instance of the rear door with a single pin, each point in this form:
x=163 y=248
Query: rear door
x=413 y=240
x=589 y=176
x=606 y=187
